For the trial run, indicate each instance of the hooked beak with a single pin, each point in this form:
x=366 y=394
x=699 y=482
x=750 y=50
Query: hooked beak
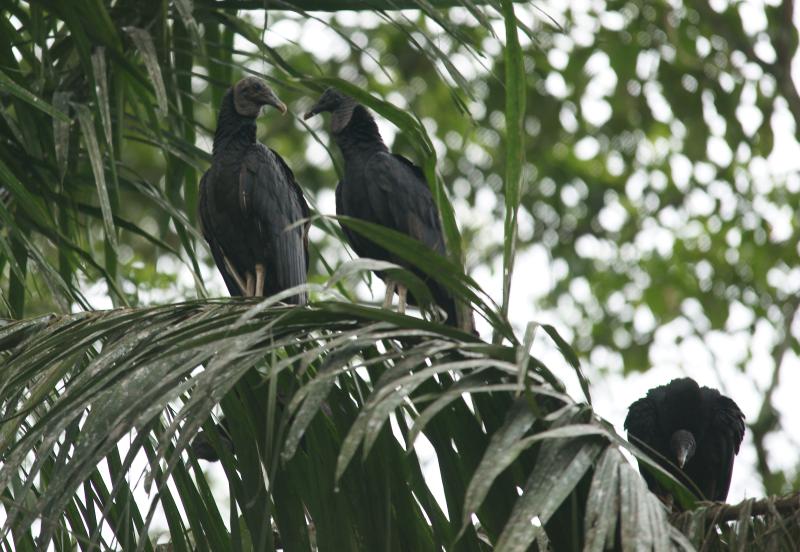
x=269 y=98
x=322 y=104
x=683 y=446
x=682 y=455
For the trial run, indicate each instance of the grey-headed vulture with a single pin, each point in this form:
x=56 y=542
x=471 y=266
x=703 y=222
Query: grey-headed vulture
x=250 y=204
x=383 y=188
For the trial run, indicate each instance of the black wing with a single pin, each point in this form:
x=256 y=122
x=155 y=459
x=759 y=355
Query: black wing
x=642 y=420
x=727 y=429
x=205 y=213
x=641 y=423
x=352 y=237
x=400 y=196
x=273 y=202
x=400 y=199
x=301 y=200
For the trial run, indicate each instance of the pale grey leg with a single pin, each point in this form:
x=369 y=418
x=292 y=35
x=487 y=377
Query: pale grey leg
x=387 y=300
x=402 y=291
x=260 y=274
x=251 y=285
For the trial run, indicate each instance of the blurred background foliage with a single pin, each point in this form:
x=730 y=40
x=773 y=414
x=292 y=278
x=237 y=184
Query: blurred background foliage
x=660 y=191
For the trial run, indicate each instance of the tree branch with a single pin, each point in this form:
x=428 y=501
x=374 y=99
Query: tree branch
x=767 y=418
x=722 y=513
x=782 y=42
x=784 y=46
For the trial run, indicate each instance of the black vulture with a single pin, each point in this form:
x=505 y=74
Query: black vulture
x=202 y=444
x=204 y=449
x=250 y=203
x=383 y=188
x=696 y=429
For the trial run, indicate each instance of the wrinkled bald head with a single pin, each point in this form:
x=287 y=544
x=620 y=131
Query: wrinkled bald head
x=250 y=94
x=339 y=105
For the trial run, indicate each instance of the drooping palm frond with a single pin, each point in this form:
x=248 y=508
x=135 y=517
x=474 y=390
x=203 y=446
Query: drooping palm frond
x=303 y=392
x=324 y=406
x=309 y=396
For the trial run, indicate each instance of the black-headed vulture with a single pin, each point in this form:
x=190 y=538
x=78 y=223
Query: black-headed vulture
x=696 y=429
x=250 y=203
x=383 y=188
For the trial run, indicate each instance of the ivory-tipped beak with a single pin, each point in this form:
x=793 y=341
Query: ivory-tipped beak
x=268 y=97
x=683 y=454
x=683 y=446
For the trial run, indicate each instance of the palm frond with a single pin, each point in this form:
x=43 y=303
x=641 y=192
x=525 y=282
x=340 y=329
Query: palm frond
x=333 y=376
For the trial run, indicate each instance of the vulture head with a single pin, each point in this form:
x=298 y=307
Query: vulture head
x=250 y=94
x=339 y=105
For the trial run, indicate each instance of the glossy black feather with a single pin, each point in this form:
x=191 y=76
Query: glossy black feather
x=250 y=204
x=387 y=189
x=207 y=212
x=715 y=421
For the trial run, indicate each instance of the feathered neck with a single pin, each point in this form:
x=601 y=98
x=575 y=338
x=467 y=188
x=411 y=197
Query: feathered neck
x=234 y=131
x=360 y=133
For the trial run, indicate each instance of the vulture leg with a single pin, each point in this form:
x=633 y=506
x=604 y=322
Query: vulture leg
x=401 y=302
x=251 y=285
x=260 y=272
x=232 y=271
x=387 y=300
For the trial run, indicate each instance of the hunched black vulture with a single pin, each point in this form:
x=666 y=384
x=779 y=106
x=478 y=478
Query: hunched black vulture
x=696 y=429
x=383 y=188
x=250 y=203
